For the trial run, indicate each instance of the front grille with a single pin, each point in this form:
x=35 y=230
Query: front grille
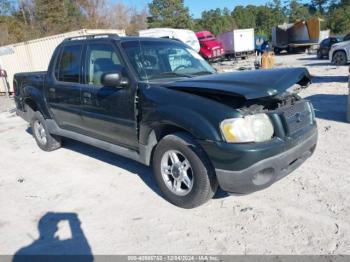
x=296 y=117
x=216 y=52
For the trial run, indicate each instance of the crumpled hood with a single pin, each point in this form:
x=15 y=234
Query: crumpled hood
x=248 y=84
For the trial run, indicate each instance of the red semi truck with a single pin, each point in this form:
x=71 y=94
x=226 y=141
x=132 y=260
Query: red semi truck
x=210 y=49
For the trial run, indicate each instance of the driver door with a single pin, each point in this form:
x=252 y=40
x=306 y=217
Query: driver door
x=108 y=112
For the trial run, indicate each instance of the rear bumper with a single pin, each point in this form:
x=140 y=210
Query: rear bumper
x=267 y=171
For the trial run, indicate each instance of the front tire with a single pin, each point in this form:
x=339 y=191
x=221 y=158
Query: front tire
x=43 y=138
x=339 y=58
x=319 y=54
x=183 y=172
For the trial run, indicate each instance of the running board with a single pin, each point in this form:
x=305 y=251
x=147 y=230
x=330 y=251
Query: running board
x=119 y=150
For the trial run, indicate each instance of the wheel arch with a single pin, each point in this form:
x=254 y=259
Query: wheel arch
x=31 y=104
x=33 y=98
x=150 y=137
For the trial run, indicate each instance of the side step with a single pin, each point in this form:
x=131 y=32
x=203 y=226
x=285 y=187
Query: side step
x=119 y=150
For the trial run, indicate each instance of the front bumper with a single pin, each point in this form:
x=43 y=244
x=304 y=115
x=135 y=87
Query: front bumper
x=266 y=170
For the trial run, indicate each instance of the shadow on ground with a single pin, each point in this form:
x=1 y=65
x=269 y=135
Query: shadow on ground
x=320 y=64
x=144 y=172
x=310 y=58
x=49 y=247
x=330 y=107
x=330 y=79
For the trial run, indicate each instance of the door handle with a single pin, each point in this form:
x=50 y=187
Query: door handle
x=51 y=89
x=86 y=98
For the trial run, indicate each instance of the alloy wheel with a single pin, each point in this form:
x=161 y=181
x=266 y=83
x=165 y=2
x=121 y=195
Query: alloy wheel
x=177 y=172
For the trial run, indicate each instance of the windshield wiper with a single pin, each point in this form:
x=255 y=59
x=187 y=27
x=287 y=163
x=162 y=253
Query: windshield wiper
x=199 y=73
x=169 y=74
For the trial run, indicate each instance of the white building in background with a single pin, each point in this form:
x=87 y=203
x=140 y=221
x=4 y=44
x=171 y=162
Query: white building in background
x=35 y=55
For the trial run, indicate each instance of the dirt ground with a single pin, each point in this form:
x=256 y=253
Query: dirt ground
x=80 y=199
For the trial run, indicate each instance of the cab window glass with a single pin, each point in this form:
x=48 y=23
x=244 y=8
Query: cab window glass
x=68 y=67
x=179 y=59
x=101 y=59
x=157 y=59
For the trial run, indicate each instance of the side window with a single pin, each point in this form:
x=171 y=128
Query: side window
x=68 y=66
x=100 y=59
x=334 y=40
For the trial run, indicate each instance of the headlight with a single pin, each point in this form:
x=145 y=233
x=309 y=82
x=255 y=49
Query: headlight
x=251 y=128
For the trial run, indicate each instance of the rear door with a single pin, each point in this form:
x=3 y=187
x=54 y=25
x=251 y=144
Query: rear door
x=108 y=112
x=63 y=87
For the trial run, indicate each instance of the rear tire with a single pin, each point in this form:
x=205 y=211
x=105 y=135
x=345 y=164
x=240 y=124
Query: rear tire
x=183 y=172
x=339 y=58
x=277 y=51
x=43 y=138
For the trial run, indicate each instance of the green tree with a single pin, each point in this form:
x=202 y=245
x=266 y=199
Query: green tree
x=169 y=13
x=262 y=17
x=53 y=17
x=298 y=11
x=216 y=21
x=245 y=17
x=338 y=17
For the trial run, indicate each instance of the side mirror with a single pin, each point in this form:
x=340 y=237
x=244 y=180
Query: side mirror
x=114 y=79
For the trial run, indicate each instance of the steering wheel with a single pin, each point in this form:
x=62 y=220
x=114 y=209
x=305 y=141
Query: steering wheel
x=180 y=66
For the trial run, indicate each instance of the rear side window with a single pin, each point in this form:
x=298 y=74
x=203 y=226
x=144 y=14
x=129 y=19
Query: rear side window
x=68 y=66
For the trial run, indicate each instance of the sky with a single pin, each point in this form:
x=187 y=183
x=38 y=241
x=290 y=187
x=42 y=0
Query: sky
x=196 y=7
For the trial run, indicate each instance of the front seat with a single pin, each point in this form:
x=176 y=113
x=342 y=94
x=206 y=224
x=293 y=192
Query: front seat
x=102 y=66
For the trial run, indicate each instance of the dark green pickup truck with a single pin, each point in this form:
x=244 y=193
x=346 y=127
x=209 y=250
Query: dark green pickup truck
x=158 y=102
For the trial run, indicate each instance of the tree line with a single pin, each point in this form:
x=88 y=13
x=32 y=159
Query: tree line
x=24 y=20
x=335 y=15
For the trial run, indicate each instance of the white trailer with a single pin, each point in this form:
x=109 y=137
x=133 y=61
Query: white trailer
x=186 y=36
x=238 y=43
x=35 y=55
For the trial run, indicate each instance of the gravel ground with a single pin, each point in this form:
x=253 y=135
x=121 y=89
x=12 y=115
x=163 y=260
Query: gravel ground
x=84 y=200
x=6 y=104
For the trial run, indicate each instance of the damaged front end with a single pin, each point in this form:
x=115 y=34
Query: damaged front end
x=274 y=133
x=257 y=90
x=267 y=101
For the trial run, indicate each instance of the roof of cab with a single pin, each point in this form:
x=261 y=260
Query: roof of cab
x=114 y=37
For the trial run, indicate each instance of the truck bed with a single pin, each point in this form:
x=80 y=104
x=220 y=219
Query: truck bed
x=31 y=75
x=35 y=79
